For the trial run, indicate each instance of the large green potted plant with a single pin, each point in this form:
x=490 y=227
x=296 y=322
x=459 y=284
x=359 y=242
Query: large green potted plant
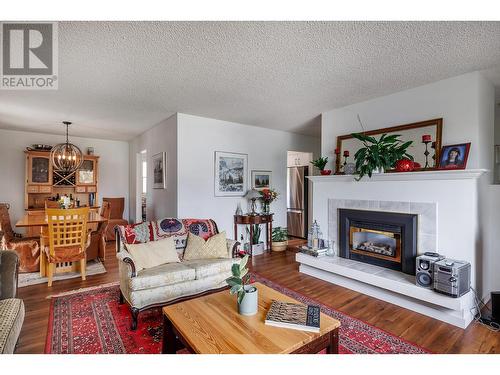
x=279 y=239
x=379 y=155
x=248 y=297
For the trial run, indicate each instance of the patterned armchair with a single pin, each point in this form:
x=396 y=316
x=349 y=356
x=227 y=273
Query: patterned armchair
x=27 y=248
x=11 y=308
x=169 y=283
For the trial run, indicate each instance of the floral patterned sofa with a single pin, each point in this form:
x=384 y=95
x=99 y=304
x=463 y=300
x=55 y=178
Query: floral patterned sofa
x=171 y=282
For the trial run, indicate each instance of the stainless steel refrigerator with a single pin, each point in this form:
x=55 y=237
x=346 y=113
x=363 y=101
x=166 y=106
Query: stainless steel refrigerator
x=297 y=201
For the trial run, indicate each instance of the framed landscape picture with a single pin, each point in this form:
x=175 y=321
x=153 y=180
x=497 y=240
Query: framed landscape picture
x=231 y=174
x=160 y=170
x=261 y=179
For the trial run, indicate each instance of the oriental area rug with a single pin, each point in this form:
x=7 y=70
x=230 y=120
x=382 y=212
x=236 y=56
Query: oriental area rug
x=92 y=321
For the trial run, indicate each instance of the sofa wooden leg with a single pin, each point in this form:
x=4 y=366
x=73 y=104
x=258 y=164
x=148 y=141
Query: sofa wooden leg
x=135 y=313
x=121 y=298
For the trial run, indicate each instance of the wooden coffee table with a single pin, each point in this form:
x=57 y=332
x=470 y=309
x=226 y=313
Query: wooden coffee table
x=211 y=325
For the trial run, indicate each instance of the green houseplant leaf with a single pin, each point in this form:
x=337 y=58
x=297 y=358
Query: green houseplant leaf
x=381 y=154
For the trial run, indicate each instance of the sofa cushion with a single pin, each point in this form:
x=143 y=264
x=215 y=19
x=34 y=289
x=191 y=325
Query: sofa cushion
x=166 y=274
x=209 y=267
x=11 y=321
x=153 y=253
x=212 y=248
x=136 y=233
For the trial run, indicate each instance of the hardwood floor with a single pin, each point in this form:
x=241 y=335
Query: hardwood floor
x=282 y=268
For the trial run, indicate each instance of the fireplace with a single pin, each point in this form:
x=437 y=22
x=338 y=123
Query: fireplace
x=385 y=239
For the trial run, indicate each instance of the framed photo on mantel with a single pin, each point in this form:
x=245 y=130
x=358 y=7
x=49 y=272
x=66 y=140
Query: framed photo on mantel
x=160 y=170
x=231 y=174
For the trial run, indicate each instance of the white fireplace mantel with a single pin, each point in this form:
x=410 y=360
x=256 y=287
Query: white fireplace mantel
x=447 y=202
x=464 y=174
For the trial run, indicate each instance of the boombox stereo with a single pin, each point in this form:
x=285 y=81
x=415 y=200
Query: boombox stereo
x=425 y=269
x=452 y=277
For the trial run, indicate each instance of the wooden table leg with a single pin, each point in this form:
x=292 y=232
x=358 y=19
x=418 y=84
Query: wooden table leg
x=270 y=231
x=251 y=240
x=333 y=347
x=236 y=232
x=169 y=340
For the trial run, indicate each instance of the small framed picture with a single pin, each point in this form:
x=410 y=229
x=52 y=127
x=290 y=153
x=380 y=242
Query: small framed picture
x=261 y=180
x=454 y=156
x=160 y=170
x=231 y=174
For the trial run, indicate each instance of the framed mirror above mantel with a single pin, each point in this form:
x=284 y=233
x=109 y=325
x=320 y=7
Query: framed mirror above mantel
x=409 y=132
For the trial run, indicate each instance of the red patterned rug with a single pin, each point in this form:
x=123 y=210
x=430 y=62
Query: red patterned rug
x=92 y=322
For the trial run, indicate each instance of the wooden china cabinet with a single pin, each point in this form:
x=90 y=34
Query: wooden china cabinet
x=43 y=183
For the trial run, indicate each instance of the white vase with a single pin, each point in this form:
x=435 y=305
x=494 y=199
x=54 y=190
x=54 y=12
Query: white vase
x=250 y=301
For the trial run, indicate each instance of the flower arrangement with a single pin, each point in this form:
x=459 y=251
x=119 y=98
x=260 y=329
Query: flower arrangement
x=268 y=196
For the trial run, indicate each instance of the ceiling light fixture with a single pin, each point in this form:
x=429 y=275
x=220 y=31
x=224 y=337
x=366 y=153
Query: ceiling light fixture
x=66 y=157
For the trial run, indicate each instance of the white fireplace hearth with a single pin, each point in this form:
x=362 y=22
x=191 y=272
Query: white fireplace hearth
x=446 y=203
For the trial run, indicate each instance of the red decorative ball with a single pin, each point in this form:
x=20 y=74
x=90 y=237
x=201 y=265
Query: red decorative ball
x=325 y=172
x=405 y=165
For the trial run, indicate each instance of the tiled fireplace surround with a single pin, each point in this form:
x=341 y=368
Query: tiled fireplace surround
x=427 y=218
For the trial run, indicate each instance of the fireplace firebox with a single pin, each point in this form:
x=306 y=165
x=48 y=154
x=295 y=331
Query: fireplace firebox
x=385 y=239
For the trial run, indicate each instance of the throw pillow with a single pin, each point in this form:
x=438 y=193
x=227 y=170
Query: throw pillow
x=136 y=233
x=198 y=248
x=153 y=253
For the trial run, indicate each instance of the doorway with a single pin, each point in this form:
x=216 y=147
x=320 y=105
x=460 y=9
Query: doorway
x=141 y=186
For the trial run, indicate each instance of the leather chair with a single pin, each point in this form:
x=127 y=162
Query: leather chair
x=117 y=206
x=97 y=247
x=27 y=248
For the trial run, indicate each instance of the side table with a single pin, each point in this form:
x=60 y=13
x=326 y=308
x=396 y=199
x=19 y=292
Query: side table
x=255 y=219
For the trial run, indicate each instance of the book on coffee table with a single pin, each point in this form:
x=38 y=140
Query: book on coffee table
x=294 y=316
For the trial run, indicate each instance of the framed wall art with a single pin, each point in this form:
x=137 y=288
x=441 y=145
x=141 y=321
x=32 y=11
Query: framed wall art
x=261 y=179
x=231 y=174
x=160 y=170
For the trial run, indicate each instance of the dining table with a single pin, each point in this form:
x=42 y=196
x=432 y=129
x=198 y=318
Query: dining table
x=40 y=220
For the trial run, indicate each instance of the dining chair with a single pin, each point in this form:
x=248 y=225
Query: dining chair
x=117 y=206
x=97 y=247
x=68 y=240
x=27 y=248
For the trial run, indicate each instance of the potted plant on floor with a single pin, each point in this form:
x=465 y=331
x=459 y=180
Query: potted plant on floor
x=280 y=239
x=257 y=245
x=240 y=285
x=320 y=164
x=379 y=155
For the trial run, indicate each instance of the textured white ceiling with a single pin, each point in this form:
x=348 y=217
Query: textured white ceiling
x=117 y=80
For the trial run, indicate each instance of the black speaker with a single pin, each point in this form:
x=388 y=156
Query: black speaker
x=495 y=306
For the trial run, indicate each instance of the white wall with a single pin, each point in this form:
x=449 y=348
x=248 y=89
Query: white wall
x=161 y=138
x=113 y=166
x=466 y=104
x=456 y=100
x=267 y=149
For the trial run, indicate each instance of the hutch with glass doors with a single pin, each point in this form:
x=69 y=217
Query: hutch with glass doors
x=45 y=184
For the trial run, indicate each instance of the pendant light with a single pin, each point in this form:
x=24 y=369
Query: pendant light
x=66 y=157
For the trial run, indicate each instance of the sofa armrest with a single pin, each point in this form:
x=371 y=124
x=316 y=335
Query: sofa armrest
x=232 y=248
x=9 y=271
x=124 y=257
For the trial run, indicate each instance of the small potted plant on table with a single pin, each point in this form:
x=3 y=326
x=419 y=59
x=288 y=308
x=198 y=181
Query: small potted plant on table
x=248 y=297
x=280 y=239
x=320 y=164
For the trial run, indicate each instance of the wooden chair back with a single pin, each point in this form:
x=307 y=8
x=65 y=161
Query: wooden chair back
x=67 y=227
x=117 y=206
x=52 y=204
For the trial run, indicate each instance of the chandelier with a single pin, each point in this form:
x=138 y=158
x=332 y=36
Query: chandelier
x=66 y=157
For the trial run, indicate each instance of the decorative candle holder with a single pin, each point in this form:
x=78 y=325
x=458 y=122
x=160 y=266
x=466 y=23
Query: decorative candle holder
x=426 y=153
